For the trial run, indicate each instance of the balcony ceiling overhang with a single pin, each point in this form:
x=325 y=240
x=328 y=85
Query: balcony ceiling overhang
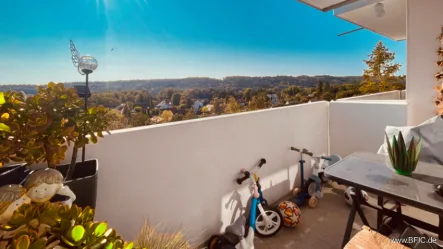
x=327 y=5
x=390 y=22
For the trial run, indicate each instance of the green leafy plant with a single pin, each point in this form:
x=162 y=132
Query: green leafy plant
x=40 y=128
x=53 y=225
x=404 y=159
x=13 y=145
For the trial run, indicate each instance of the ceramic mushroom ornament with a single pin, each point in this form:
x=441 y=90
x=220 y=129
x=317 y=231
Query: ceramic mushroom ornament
x=43 y=184
x=11 y=198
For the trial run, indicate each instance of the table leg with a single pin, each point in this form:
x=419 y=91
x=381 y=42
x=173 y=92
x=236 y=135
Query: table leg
x=398 y=204
x=440 y=227
x=358 y=199
x=379 y=213
x=348 y=230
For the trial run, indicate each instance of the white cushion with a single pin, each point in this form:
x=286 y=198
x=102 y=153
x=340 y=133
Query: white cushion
x=431 y=133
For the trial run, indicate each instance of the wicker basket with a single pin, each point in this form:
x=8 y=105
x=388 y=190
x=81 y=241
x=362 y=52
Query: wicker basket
x=369 y=239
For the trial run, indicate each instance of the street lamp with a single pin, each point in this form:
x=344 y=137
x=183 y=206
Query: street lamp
x=85 y=65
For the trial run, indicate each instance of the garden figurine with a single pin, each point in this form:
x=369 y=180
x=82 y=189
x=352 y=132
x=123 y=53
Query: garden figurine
x=11 y=198
x=43 y=184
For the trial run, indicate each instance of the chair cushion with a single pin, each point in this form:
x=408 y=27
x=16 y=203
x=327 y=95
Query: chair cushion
x=431 y=133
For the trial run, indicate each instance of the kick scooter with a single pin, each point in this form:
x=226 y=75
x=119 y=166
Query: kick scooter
x=264 y=221
x=310 y=191
x=319 y=164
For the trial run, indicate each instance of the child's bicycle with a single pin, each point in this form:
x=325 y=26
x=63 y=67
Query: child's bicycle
x=263 y=220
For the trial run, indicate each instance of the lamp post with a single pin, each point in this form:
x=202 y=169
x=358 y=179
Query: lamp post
x=85 y=65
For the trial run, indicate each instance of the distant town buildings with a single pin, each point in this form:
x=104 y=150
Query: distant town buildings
x=164 y=105
x=274 y=99
x=198 y=104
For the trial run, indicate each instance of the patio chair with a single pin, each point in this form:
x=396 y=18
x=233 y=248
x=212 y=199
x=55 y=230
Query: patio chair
x=370 y=239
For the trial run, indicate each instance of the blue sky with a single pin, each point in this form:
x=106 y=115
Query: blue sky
x=177 y=38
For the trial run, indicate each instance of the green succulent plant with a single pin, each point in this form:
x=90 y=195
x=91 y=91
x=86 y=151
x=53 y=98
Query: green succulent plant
x=55 y=226
x=41 y=127
x=404 y=159
x=13 y=144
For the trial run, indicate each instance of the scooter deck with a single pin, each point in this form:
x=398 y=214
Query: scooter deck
x=301 y=199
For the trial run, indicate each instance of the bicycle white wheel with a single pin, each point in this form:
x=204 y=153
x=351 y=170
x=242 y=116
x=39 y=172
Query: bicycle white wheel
x=266 y=230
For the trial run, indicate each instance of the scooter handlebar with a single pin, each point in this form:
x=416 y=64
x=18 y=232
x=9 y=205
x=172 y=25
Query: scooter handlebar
x=293 y=148
x=304 y=151
x=326 y=158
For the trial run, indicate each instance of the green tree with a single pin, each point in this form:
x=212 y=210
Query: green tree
x=291 y=90
x=233 y=106
x=319 y=88
x=260 y=101
x=175 y=99
x=166 y=93
x=328 y=96
x=190 y=115
x=139 y=119
x=117 y=120
x=327 y=87
x=218 y=106
x=138 y=109
x=130 y=105
x=177 y=117
x=167 y=116
x=247 y=94
x=189 y=103
x=380 y=70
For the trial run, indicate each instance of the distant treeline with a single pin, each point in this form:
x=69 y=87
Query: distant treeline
x=235 y=83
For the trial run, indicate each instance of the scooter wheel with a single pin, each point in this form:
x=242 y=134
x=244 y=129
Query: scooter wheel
x=219 y=242
x=311 y=187
x=313 y=202
x=296 y=191
x=323 y=177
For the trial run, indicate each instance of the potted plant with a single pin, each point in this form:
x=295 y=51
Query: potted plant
x=13 y=143
x=403 y=159
x=42 y=127
x=55 y=226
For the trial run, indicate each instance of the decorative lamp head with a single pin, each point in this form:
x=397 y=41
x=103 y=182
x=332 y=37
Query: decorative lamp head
x=87 y=64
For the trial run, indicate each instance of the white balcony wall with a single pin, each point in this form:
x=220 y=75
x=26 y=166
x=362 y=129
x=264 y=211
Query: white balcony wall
x=403 y=94
x=391 y=95
x=182 y=174
x=424 y=25
x=360 y=125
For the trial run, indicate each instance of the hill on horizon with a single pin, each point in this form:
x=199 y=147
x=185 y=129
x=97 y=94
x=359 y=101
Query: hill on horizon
x=231 y=82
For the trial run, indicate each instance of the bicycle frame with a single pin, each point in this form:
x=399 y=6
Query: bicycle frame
x=254 y=182
x=261 y=198
x=257 y=199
